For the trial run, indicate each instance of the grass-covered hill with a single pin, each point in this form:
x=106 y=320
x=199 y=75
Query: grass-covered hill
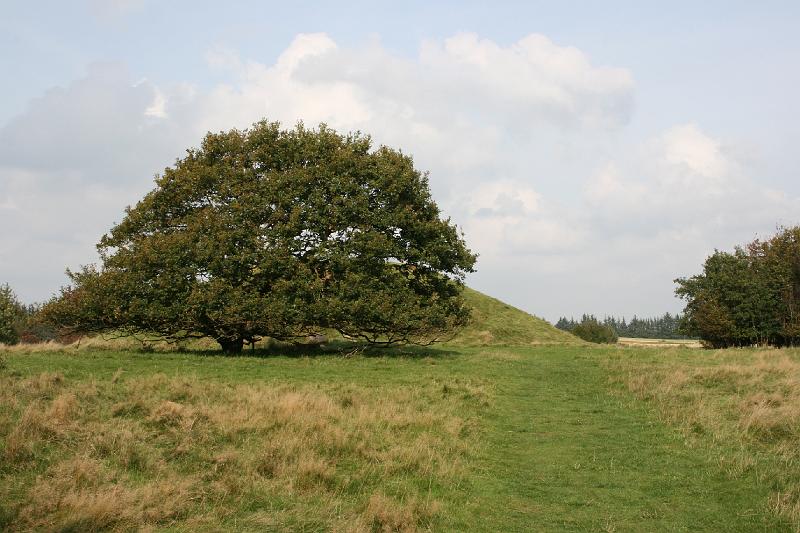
x=497 y=323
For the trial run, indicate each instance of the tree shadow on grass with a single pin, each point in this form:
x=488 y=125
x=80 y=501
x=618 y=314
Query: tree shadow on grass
x=336 y=348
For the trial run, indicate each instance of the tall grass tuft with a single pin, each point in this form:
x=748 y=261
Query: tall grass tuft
x=745 y=402
x=153 y=450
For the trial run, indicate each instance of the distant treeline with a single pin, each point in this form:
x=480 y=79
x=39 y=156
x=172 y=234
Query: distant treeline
x=22 y=323
x=664 y=327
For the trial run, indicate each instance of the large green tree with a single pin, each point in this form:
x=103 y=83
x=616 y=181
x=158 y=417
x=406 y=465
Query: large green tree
x=750 y=296
x=278 y=233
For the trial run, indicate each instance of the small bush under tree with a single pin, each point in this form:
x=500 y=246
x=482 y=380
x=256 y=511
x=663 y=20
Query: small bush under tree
x=592 y=331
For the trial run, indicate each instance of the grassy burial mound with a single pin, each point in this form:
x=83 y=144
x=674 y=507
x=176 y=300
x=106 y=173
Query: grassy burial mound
x=497 y=323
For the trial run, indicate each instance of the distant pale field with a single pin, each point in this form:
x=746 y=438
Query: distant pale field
x=453 y=438
x=658 y=343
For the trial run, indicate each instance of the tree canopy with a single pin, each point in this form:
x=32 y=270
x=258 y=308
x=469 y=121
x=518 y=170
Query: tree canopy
x=268 y=232
x=750 y=296
x=11 y=311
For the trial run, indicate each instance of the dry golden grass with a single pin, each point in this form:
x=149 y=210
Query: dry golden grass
x=501 y=355
x=659 y=343
x=746 y=402
x=158 y=451
x=387 y=514
x=112 y=342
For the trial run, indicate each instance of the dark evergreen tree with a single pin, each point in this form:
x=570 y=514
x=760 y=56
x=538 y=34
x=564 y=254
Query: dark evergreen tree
x=11 y=312
x=664 y=327
x=566 y=325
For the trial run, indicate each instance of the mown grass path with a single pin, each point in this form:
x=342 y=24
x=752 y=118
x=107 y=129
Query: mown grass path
x=565 y=453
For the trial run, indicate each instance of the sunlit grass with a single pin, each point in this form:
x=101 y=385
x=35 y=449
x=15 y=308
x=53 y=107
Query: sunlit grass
x=497 y=323
x=134 y=449
x=741 y=405
x=512 y=426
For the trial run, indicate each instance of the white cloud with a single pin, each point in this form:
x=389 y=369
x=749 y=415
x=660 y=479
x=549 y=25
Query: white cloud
x=521 y=142
x=503 y=199
x=68 y=167
x=657 y=213
x=609 y=187
x=507 y=219
x=97 y=126
x=112 y=10
x=460 y=117
x=683 y=177
x=158 y=107
x=533 y=78
x=700 y=155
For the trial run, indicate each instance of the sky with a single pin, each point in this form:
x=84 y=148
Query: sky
x=591 y=152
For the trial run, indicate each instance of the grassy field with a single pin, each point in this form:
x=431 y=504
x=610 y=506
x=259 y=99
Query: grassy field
x=741 y=405
x=470 y=436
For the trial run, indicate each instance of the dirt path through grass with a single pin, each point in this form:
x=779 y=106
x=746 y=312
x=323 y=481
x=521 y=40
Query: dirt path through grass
x=565 y=454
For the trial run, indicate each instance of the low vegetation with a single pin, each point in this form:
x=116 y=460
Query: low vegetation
x=491 y=438
x=21 y=323
x=590 y=330
x=593 y=331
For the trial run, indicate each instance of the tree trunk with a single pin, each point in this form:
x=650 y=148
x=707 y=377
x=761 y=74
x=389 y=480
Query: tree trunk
x=231 y=346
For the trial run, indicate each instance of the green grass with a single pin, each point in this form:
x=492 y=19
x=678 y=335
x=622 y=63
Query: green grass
x=500 y=439
x=497 y=323
x=742 y=406
x=513 y=426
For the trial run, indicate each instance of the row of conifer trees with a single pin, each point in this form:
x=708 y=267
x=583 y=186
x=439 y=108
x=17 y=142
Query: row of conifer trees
x=663 y=327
